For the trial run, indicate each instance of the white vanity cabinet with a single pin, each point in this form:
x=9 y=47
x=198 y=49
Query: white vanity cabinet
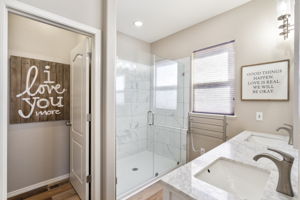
x=171 y=194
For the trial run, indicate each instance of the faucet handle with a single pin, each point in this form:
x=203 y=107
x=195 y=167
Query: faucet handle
x=286 y=157
x=289 y=125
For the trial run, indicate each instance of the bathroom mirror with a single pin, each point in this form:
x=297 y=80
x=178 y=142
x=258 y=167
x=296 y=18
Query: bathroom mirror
x=178 y=82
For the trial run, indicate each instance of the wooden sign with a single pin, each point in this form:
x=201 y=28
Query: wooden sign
x=266 y=81
x=39 y=90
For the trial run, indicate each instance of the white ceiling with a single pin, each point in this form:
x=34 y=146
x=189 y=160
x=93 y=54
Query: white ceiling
x=162 y=18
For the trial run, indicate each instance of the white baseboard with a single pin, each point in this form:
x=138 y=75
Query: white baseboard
x=37 y=185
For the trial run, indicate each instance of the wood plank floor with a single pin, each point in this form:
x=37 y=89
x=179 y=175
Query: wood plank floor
x=58 y=191
x=64 y=191
x=153 y=192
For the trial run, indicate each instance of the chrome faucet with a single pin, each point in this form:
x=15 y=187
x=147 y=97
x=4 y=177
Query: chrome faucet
x=284 y=167
x=289 y=130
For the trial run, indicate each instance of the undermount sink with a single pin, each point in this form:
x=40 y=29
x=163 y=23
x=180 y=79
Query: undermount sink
x=267 y=140
x=244 y=181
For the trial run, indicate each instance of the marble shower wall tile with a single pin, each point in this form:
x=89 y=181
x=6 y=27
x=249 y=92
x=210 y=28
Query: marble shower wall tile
x=133 y=101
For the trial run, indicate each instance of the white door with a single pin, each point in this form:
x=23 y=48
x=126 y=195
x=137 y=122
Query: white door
x=79 y=110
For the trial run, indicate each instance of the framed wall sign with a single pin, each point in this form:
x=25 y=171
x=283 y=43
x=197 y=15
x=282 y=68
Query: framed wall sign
x=39 y=90
x=265 y=81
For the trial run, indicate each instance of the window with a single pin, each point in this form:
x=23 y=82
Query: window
x=213 y=80
x=166 y=84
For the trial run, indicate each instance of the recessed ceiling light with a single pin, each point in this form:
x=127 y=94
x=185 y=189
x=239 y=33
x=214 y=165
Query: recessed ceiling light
x=138 y=23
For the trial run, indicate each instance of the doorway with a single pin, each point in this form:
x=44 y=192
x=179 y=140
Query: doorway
x=48 y=133
x=44 y=106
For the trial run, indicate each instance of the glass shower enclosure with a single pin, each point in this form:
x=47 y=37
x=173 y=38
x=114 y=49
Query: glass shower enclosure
x=151 y=122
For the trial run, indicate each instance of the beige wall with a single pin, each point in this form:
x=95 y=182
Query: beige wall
x=134 y=50
x=254 y=28
x=38 y=151
x=108 y=139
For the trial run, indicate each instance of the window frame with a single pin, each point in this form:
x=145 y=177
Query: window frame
x=164 y=88
x=219 y=84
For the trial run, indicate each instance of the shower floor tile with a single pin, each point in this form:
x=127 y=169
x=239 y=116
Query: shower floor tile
x=136 y=170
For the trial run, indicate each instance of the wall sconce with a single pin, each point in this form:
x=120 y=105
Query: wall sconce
x=284 y=13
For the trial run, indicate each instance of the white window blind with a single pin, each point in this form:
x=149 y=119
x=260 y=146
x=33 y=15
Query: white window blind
x=166 y=76
x=213 y=79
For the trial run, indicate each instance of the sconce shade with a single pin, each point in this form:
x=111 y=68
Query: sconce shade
x=283 y=7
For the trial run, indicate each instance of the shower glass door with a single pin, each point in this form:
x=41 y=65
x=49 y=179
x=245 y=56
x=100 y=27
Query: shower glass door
x=134 y=157
x=167 y=106
x=149 y=120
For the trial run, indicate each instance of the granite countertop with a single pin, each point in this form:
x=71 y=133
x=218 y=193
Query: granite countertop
x=183 y=179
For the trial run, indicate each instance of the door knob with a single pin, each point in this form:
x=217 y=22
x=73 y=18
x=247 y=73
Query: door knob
x=68 y=123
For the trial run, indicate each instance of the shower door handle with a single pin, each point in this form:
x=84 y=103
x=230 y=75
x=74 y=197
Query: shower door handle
x=150 y=118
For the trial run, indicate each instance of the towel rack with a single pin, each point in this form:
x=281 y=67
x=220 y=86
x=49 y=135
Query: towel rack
x=208 y=125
